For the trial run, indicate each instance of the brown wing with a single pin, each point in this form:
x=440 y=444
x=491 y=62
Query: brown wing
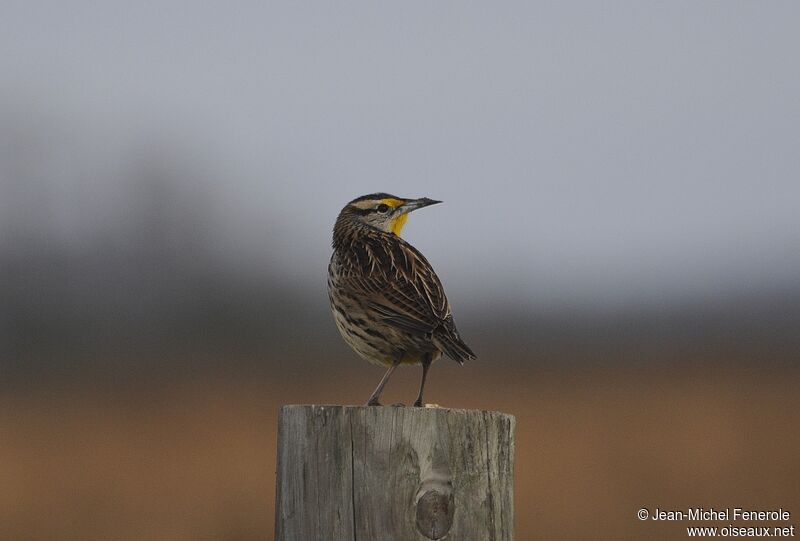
x=400 y=285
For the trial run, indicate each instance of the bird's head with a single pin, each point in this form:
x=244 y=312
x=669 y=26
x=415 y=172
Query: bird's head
x=384 y=211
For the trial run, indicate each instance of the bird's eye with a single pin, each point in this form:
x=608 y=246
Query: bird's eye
x=383 y=208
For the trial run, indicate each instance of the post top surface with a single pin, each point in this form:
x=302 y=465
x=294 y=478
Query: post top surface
x=384 y=410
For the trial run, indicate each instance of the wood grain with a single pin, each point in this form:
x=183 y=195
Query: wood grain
x=394 y=473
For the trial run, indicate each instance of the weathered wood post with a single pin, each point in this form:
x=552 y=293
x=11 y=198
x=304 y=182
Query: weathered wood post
x=394 y=474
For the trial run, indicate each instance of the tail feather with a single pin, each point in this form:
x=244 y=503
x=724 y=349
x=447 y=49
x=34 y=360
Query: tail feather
x=453 y=346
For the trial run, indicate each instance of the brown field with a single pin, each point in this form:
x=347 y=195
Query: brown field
x=196 y=460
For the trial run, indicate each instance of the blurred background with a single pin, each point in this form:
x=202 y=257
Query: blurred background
x=620 y=242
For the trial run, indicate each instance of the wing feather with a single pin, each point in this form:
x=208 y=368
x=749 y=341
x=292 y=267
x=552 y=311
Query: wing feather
x=400 y=283
x=401 y=287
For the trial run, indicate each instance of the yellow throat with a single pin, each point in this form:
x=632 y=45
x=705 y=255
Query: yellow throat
x=398 y=223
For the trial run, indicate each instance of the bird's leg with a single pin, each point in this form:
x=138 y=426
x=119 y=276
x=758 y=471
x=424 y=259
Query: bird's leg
x=426 y=363
x=376 y=394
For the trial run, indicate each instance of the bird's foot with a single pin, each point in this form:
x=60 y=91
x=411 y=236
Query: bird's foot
x=418 y=403
x=373 y=402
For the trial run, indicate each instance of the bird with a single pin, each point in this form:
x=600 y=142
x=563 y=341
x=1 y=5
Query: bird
x=388 y=303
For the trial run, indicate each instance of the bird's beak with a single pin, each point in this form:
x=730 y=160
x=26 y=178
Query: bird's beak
x=414 y=204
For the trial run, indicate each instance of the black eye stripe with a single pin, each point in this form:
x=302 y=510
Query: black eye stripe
x=382 y=209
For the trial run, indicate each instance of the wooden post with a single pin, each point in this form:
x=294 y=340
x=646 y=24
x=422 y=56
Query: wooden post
x=394 y=474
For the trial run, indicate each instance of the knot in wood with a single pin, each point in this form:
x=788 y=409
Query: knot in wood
x=435 y=514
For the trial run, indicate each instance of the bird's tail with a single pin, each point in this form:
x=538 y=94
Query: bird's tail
x=452 y=345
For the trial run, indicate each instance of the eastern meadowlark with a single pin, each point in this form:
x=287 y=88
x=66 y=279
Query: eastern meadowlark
x=387 y=301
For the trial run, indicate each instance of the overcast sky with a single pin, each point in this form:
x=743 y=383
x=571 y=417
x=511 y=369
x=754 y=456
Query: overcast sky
x=587 y=152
